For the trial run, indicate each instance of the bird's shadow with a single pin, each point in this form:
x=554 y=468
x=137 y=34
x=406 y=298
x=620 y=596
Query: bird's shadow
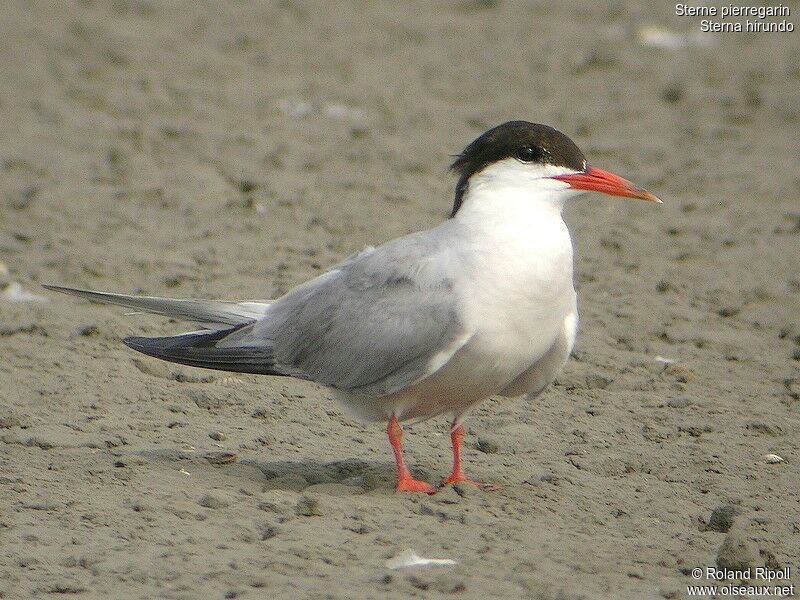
x=286 y=474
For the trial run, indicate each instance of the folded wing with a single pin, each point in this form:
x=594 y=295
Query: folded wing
x=372 y=326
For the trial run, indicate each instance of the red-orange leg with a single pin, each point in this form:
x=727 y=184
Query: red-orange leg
x=405 y=482
x=457 y=476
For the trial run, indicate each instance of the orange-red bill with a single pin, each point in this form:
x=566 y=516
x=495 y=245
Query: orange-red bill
x=597 y=180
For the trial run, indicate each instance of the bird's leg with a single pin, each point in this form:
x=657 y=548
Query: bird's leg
x=405 y=482
x=457 y=476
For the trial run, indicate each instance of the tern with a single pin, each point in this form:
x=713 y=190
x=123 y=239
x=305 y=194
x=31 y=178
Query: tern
x=430 y=323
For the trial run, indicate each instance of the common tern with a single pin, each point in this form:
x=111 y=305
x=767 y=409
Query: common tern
x=430 y=323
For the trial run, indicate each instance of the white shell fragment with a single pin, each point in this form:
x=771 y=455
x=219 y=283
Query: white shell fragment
x=773 y=459
x=340 y=111
x=655 y=36
x=300 y=109
x=665 y=361
x=295 y=108
x=14 y=292
x=409 y=559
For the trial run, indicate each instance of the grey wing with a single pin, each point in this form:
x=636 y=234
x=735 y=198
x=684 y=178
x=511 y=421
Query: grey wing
x=370 y=327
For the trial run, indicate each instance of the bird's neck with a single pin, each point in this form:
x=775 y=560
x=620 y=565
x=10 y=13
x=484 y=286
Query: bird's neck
x=511 y=208
x=517 y=231
x=518 y=256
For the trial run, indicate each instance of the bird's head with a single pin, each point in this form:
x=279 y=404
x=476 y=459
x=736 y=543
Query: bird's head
x=537 y=161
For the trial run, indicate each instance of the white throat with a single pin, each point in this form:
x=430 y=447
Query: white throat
x=515 y=192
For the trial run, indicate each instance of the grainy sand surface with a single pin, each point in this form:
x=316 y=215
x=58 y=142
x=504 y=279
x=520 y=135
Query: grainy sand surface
x=236 y=149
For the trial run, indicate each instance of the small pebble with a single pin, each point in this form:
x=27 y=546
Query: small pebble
x=88 y=330
x=486 y=446
x=678 y=402
x=770 y=561
x=355 y=481
x=23 y=199
x=294 y=483
x=334 y=489
x=209 y=501
x=597 y=382
x=721 y=519
x=217 y=435
x=8 y=419
x=735 y=553
x=681 y=373
x=221 y=458
x=268 y=533
x=308 y=507
x=447 y=495
x=672 y=93
x=246 y=186
x=765 y=428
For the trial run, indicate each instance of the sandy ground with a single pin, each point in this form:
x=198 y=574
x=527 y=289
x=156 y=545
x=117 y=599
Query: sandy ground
x=234 y=151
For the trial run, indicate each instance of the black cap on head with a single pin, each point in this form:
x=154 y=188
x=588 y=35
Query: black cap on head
x=525 y=141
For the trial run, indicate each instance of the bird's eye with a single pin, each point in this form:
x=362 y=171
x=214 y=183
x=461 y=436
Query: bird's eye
x=529 y=154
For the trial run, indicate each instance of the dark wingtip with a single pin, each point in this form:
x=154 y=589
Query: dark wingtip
x=136 y=343
x=53 y=288
x=155 y=347
x=65 y=290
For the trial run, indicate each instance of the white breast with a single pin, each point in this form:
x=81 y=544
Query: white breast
x=515 y=294
x=510 y=256
x=518 y=267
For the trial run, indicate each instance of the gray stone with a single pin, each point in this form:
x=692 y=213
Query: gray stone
x=209 y=501
x=308 y=507
x=735 y=553
x=721 y=519
x=294 y=483
x=334 y=489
